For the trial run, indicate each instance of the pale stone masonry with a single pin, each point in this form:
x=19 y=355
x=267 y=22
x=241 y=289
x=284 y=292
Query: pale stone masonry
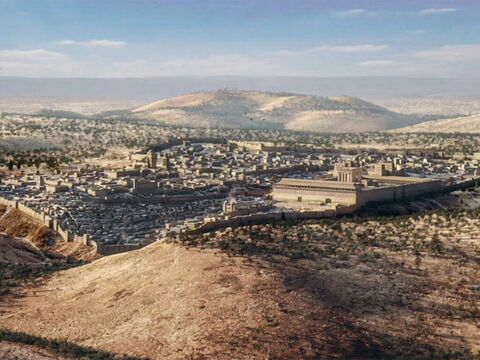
x=322 y=191
x=351 y=187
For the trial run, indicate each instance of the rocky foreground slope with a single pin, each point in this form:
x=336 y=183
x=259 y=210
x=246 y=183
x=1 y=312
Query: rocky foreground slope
x=29 y=253
x=253 y=109
x=167 y=302
x=403 y=287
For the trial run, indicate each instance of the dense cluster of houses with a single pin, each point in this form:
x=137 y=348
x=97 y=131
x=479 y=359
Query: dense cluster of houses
x=181 y=185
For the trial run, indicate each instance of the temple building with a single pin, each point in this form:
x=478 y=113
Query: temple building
x=349 y=185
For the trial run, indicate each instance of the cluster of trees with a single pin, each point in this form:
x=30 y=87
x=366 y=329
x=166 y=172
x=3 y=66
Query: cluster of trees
x=20 y=160
x=337 y=236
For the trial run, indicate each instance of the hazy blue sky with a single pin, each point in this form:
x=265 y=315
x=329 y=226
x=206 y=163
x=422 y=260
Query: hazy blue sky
x=118 y=38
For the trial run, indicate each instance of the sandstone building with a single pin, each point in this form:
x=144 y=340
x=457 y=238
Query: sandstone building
x=349 y=186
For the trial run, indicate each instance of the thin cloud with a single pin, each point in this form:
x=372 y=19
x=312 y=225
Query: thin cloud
x=285 y=53
x=351 y=12
x=415 y=32
x=359 y=48
x=316 y=49
x=65 y=42
x=93 y=43
x=468 y=52
x=30 y=55
x=106 y=43
x=379 y=63
x=437 y=11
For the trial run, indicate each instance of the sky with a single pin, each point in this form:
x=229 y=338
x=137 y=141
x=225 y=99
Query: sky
x=142 y=38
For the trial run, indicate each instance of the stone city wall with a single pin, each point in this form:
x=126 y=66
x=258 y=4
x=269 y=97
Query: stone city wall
x=399 y=192
x=116 y=248
x=464 y=184
x=391 y=193
x=263 y=218
x=68 y=235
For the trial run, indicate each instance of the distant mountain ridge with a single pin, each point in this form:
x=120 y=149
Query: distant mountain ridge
x=464 y=124
x=152 y=88
x=255 y=109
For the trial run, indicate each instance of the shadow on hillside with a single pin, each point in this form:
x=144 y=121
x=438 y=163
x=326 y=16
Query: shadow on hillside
x=361 y=296
x=14 y=276
x=331 y=305
x=376 y=306
x=60 y=347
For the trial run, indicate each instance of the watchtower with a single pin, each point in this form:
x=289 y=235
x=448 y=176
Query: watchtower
x=152 y=159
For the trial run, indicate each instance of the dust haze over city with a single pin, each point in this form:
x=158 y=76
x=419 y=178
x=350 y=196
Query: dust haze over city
x=239 y=179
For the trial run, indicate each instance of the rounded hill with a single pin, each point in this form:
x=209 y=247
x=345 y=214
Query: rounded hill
x=254 y=109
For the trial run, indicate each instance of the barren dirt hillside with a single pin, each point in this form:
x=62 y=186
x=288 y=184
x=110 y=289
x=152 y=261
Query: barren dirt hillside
x=18 y=250
x=166 y=302
x=253 y=109
x=467 y=124
x=29 y=253
x=357 y=289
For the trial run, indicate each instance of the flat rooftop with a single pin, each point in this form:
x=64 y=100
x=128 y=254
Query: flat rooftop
x=398 y=179
x=307 y=183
